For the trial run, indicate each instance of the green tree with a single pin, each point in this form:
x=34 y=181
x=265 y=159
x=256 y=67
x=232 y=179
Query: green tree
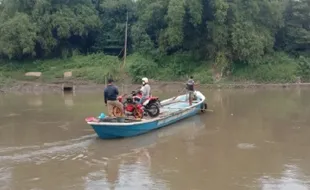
x=17 y=37
x=295 y=36
x=179 y=36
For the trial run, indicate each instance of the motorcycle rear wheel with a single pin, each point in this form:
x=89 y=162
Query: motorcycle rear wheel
x=153 y=110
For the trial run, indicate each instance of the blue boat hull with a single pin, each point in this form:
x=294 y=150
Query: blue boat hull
x=112 y=131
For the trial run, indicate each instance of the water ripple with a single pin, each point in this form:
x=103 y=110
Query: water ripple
x=17 y=148
x=62 y=150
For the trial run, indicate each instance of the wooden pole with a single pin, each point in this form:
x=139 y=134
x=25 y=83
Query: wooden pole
x=125 y=51
x=125 y=48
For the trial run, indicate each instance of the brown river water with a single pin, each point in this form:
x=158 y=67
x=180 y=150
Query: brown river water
x=251 y=139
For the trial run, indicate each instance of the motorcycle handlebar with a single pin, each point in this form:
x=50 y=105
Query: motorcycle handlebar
x=135 y=91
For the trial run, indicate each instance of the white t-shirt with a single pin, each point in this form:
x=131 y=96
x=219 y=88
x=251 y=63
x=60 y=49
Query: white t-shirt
x=146 y=89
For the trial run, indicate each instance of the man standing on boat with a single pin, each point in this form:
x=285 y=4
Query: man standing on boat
x=190 y=89
x=145 y=89
x=110 y=98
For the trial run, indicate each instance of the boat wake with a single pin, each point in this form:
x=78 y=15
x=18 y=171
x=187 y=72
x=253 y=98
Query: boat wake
x=61 y=150
x=5 y=178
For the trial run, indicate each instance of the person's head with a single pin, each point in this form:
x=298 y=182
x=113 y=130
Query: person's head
x=110 y=81
x=191 y=77
x=145 y=80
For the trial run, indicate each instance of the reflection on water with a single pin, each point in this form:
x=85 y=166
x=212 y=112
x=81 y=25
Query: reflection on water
x=68 y=97
x=35 y=100
x=126 y=175
x=291 y=179
x=253 y=139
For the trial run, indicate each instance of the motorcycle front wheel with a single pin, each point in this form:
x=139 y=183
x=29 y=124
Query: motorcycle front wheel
x=117 y=112
x=137 y=113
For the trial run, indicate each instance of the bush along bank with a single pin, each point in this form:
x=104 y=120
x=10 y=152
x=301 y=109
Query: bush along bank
x=96 y=68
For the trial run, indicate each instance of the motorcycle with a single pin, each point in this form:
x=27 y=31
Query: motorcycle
x=150 y=100
x=150 y=106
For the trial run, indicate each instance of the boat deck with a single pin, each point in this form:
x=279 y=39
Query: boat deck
x=166 y=109
x=175 y=106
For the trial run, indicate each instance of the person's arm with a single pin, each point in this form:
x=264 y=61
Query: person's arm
x=149 y=91
x=105 y=96
x=185 y=83
x=116 y=91
x=143 y=91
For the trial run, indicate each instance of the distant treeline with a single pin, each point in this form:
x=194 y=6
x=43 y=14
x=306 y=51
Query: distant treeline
x=223 y=34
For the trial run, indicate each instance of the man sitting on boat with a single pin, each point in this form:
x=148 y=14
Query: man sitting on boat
x=145 y=89
x=110 y=98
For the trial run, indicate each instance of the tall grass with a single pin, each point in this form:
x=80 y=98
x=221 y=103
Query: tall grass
x=94 y=67
x=277 y=68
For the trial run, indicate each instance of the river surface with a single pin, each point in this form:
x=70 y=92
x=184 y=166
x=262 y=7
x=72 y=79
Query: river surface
x=251 y=139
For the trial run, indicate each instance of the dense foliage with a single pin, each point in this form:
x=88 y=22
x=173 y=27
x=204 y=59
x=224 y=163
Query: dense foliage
x=262 y=40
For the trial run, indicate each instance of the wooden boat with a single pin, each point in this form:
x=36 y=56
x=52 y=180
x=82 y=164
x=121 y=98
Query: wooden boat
x=172 y=110
x=189 y=128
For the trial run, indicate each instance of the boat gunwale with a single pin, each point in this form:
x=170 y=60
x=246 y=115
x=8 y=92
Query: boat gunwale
x=103 y=124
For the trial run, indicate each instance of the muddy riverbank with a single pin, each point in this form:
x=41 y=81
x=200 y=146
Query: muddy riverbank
x=80 y=86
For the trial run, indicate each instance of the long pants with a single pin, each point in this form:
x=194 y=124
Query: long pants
x=114 y=103
x=190 y=96
x=142 y=99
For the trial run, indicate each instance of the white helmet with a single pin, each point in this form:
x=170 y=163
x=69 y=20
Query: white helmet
x=145 y=80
